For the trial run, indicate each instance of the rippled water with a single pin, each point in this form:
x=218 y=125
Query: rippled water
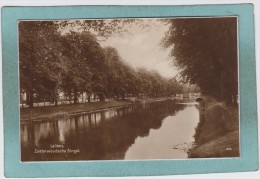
x=159 y=130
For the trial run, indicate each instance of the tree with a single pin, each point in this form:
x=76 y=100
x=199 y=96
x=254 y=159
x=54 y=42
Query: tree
x=99 y=27
x=205 y=50
x=85 y=61
x=118 y=73
x=39 y=60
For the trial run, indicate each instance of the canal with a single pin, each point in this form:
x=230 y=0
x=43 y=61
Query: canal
x=157 y=130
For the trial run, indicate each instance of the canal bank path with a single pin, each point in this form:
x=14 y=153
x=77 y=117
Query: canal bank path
x=52 y=112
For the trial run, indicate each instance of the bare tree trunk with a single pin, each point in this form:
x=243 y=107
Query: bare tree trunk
x=31 y=99
x=55 y=96
x=27 y=98
x=89 y=98
x=75 y=93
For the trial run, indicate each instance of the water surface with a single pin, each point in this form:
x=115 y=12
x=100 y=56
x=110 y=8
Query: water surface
x=157 y=130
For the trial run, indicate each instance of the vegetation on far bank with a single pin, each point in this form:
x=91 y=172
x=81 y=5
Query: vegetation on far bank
x=217 y=134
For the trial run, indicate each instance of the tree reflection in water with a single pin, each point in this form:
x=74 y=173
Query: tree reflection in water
x=105 y=135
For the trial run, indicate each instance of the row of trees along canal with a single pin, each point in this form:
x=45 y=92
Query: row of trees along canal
x=74 y=63
x=203 y=49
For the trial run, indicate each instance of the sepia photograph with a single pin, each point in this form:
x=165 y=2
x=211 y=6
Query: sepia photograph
x=129 y=89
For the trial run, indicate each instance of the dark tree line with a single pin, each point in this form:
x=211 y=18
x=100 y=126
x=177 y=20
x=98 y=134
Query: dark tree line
x=74 y=63
x=205 y=50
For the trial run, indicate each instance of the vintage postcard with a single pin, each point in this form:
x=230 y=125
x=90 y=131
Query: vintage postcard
x=123 y=89
x=119 y=90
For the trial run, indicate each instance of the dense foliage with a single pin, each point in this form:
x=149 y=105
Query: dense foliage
x=75 y=64
x=205 y=50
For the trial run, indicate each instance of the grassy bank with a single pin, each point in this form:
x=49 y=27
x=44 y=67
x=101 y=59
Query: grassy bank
x=217 y=134
x=49 y=112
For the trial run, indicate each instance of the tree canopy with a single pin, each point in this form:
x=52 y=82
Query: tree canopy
x=74 y=63
x=205 y=50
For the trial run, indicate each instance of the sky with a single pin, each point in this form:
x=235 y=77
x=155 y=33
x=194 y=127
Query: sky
x=140 y=47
